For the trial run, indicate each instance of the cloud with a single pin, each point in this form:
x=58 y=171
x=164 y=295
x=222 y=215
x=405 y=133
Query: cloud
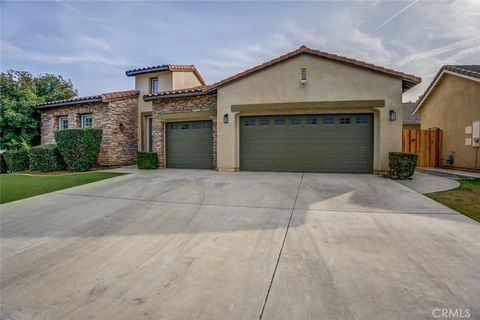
x=84 y=57
x=428 y=54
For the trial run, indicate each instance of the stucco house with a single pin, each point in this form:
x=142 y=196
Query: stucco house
x=307 y=110
x=452 y=103
x=410 y=121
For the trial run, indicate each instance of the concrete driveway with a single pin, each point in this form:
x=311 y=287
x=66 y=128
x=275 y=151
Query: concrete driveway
x=188 y=244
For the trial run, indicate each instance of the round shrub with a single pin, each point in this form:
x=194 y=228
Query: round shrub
x=147 y=160
x=402 y=164
x=79 y=147
x=16 y=160
x=46 y=157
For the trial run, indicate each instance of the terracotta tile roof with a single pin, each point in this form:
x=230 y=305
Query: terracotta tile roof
x=112 y=96
x=104 y=97
x=179 y=92
x=408 y=80
x=166 y=67
x=468 y=70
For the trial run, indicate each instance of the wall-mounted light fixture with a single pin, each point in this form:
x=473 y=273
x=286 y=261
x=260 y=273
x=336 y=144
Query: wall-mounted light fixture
x=225 y=118
x=392 y=115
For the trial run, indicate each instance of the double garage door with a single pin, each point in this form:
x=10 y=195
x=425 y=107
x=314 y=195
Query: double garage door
x=306 y=143
x=311 y=143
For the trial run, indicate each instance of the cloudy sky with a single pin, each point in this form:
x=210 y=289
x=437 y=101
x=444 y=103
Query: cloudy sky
x=94 y=42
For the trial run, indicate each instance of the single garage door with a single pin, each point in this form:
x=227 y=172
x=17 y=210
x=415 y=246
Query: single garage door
x=307 y=143
x=189 y=145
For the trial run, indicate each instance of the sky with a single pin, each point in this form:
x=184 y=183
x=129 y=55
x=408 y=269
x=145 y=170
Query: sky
x=93 y=43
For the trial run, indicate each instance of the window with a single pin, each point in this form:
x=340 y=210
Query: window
x=154 y=85
x=264 y=122
x=173 y=126
x=362 y=120
x=185 y=126
x=328 y=120
x=207 y=125
x=86 y=121
x=196 y=125
x=311 y=120
x=344 y=120
x=249 y=122
x=294 y=121
x=279 y=122
x=62 y=123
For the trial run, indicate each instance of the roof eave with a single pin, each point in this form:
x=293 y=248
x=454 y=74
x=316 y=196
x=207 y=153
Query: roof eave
x=131 y=73
x=175 y=95
x=68 y=103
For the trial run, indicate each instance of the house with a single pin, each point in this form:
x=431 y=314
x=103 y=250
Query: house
x=306 y=110
x=452 y=103
x=410 y=121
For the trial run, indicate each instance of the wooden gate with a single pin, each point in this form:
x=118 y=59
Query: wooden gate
x=426 y=143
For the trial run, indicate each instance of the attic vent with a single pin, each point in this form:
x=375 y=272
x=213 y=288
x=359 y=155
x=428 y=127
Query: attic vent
x=303 y=76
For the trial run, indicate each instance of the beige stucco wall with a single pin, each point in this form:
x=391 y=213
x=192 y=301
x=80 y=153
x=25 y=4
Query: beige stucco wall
x=185 y=79
x=453 y=105
x=327 y=81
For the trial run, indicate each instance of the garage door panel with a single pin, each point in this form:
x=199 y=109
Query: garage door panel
x=189 y=145
x=310 y=145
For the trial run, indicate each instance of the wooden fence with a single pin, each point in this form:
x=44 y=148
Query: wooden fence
x=426 y=143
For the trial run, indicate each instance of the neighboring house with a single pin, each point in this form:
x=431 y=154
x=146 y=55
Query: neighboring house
x=306 y=110
x=452 y=103
x=115 y=113
x=410 y=121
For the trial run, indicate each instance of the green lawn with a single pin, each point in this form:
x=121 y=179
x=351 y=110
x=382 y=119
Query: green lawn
x=16 y=186
x=465 y=199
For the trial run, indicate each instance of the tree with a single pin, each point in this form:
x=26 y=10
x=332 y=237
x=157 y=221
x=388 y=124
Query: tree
x=20 y=91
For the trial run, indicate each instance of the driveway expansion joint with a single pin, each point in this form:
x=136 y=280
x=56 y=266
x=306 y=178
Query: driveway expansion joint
x=281 y=249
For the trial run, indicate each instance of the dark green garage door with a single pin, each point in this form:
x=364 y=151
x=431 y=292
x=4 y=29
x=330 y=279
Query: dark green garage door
x=313 y=143
x=189 y=145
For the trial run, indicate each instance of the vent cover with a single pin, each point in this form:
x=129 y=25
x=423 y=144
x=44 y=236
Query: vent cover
x=303 y=76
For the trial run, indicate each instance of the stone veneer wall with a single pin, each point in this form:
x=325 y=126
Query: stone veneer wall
x=179 y=105
x=117 y=119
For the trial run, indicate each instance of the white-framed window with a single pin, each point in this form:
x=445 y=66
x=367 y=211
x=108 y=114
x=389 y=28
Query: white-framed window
x=62 y=123
x=154 y=85
x=86 y=121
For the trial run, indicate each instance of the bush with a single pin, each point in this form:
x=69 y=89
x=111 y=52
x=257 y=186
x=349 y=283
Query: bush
x=16 y=160
x=402 y=164
x=46 y=157
x=147 y=160
x=3 y=165
x=79 y=147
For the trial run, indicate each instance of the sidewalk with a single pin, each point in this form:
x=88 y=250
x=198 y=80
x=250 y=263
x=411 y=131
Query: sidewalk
x=428 y=183
x=451 y=173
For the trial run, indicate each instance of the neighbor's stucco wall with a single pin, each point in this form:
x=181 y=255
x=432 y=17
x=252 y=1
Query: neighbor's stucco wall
x=184 y=79
x=453 y=105
x=142 y=84
x=327 y=81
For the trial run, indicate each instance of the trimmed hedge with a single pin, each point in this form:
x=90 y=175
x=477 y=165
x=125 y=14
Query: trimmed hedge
x=147 y=160
x=402 y=164
x=17 y=160
x=3 y=165
x=79 y=147
x=46 y=157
